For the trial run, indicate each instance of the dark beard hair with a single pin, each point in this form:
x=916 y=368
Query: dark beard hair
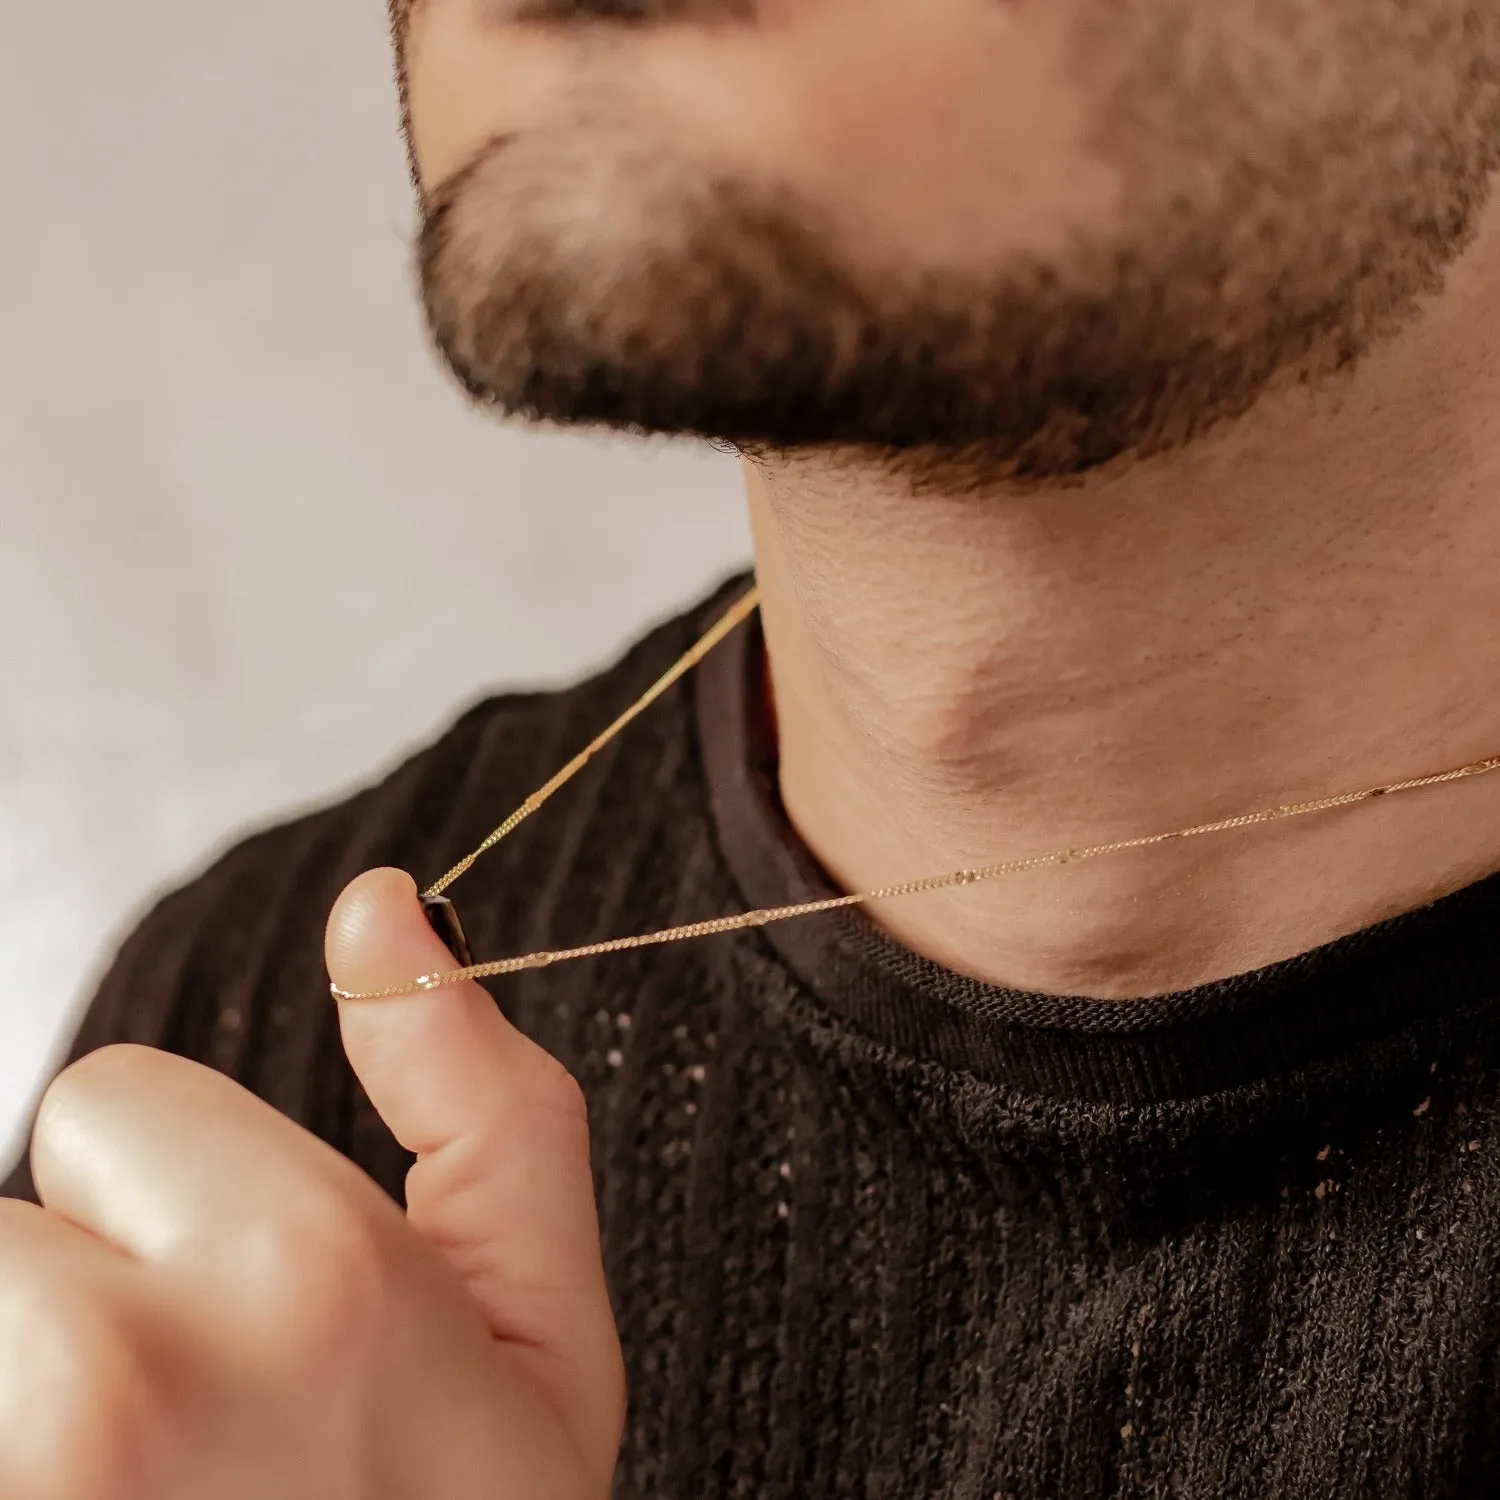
x=657 y=299
x=746 y=330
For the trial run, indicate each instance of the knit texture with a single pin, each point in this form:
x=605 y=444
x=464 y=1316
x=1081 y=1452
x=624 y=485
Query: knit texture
x=873 y=1229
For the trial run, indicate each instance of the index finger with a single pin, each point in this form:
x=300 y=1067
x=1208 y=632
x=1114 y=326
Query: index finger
x=160 y=1155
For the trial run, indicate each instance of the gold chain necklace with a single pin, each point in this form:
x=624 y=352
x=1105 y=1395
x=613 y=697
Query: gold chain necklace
x=444 y=918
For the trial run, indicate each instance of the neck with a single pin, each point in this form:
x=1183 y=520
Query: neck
x=1301 y=604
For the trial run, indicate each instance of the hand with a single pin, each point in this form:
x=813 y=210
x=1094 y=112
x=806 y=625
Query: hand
x=214 y=1305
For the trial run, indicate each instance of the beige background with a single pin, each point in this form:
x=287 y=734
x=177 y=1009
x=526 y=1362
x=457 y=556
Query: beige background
x=252 y=544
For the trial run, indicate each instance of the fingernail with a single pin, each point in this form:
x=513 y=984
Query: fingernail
x=442 y=917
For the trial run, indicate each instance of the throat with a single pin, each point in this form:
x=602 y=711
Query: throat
x=944 y=690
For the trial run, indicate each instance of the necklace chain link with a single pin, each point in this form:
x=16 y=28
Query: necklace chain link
x=765 y=915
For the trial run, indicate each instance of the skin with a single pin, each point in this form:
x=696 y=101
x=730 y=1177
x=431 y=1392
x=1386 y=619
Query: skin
x=1302 y=604
x=202 y=1264
x=1268 y=591
x=850 y=103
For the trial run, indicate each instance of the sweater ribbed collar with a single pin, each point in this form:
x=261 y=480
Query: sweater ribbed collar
x=1417 y=970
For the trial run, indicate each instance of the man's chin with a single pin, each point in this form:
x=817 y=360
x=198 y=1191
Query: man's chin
x=624 y=293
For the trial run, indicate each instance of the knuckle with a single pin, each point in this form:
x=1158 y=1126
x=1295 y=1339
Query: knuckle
x=90 y=1092
x=550 y=1107
x=97 y=1070
x=72 y=1089
x=558 y=1091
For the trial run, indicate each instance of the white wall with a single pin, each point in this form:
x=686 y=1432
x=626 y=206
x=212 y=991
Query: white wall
x=252 y=543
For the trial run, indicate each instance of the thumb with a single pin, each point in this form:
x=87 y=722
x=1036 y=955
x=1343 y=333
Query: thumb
x=502 y=1185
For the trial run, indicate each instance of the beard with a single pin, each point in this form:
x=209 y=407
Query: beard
x=572 y=277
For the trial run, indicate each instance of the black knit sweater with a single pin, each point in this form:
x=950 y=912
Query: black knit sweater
x=874 y=1229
